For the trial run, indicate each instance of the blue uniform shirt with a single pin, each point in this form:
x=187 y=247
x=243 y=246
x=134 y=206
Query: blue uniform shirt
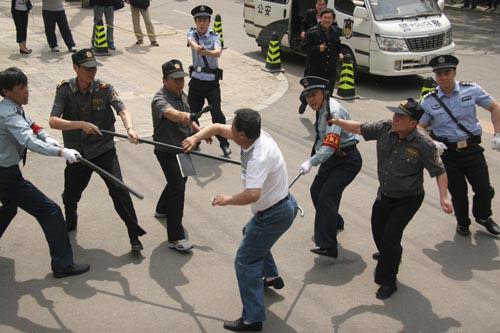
x=462 y=104
x=327 y=134
x=210 y=40
x=16 y=135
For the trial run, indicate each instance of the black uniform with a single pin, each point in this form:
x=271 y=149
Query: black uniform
x=310 y=20
x=93 y=106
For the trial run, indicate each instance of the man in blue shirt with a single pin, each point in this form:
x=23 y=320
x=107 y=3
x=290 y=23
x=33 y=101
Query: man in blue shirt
x=335 y=149
x=205 y=72
x=451 y=112
x=17 y=134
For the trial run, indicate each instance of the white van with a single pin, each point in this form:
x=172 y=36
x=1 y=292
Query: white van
x=384 y=37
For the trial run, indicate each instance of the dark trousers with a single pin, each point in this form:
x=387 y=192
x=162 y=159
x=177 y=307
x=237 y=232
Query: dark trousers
x=471 y=3
x=50 y=19
x=326 y=192
x=210 y=90
x=21 y=22
x=77 y=177
x=15 y=191
x=390 y=216
x=468 y=165
x=171 y=200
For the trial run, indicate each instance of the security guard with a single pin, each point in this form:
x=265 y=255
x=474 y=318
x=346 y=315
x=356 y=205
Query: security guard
x=18 y=133
x=451 y=112
x=205 y=72
x=335 y=149
x=81 y=107
x=402 y=154
x=322 y=46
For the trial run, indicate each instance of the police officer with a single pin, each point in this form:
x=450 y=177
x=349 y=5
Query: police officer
x=205 y=72
x=402 y=154
x=172 y=124
x=83 y=106
x=322 y=45
x=451 y=112
x=18 y=133
x=340 y=161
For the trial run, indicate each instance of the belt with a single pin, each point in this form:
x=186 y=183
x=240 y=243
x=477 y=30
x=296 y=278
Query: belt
x=285 y=199
x=342 y=152
x=461 y=145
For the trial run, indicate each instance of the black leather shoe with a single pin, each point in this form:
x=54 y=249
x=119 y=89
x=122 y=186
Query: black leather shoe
x=490 y=225
x=376 y=256
x=240 y=326
x=386 y=291
x=226 y=151
x=302 y=108
x=71 y=270
x=332 y=252
x=136 y=244
x=277 y=283
x=463 y=230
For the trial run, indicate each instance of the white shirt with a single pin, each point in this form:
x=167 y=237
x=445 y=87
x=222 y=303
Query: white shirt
x=263 y=167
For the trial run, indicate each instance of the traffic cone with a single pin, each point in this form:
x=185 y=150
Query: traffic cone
x=100 y=39
x=346 y=89
x=429 y=85
x=218 y=29
x=273 y=60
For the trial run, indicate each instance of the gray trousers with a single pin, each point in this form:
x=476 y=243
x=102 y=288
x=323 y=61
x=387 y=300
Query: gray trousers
x=108 y=13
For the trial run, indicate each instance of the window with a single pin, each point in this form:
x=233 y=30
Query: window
x=345 y=6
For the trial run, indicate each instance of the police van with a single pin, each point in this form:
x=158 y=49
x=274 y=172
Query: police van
x=384 y=37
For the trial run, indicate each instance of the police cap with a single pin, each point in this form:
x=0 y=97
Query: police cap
x=409 y=107
x=442 y=62
x=173 y=69
x=85 y=58
x=201 y=10
x=312 y=83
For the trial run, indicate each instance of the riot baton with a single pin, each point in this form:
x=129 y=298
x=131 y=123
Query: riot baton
x=106 y=174
x=196 y=116
x=176 y=148
x=291 y=184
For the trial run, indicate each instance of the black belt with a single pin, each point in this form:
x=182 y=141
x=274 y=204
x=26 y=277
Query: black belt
x=471 y=141
x=342 y=152
x=285 y=199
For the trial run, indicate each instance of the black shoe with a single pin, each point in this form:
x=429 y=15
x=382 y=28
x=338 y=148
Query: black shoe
x=240 y=326
x=276 y=283
x=136 y=244
x=463 y=230
x=332 y=252
x=386 y=290
x=71 y=270
x=376 y=256
x=490 y=225
x=226 y=151
x=302 y=108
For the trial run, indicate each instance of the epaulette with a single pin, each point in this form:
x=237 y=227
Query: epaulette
x=212 y=32
x=467 y=83
x=63 y=82
x=430 y=93
x=103 y=85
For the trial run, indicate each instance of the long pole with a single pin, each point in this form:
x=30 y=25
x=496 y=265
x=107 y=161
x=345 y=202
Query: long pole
x=176 y=148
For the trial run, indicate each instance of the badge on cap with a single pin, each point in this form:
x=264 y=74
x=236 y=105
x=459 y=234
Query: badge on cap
x=441 y=60
x=88 y=54
x=404 y=103
x=177 y=66
x=202 y=8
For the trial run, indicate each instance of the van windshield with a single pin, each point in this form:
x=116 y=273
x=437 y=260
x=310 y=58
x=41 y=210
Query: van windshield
x=396 y=9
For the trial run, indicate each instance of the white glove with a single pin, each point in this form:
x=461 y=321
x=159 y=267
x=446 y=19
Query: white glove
x=51 y=141
x=306 y=167
x=495 y=142
x=441 y=147
x=71 y=155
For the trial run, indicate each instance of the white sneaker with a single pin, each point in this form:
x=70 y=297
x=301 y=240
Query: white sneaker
x=160 y=215
x=182 y=245
x=55 y=49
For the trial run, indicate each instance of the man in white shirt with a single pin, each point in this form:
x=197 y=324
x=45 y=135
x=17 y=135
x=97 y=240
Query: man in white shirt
x=264 y=176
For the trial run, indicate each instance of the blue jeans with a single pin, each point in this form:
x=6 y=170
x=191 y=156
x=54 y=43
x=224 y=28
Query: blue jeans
x=254 y=259
x=108 y=13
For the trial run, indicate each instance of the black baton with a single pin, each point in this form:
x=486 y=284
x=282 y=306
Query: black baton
x=176 y=148
x=109 y=176
x=295 y=179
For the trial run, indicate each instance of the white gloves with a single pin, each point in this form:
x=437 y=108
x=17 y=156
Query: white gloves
x=306 y=167
x=71 y=155
x=495 y=142
x=52 y=142
x=441 y=147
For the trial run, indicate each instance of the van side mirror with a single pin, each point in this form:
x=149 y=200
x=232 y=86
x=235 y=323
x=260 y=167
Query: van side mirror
x=440 y=4
x=360 y=12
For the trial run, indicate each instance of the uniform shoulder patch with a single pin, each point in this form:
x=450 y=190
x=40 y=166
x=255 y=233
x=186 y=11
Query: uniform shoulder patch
x=467 y=83
x=430 y=93
x=103 y=85
x=62 y=83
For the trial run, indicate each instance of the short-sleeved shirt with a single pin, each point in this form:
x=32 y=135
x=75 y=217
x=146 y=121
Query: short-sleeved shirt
x=16 y=134
x=263 y=167
x=400 y=162
x=94 y=106
x=211 y=41
x=462 y=103
x=166 y=130
x=328 y=134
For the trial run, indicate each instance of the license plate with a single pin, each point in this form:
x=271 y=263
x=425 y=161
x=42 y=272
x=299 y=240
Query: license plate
x=426 y=59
